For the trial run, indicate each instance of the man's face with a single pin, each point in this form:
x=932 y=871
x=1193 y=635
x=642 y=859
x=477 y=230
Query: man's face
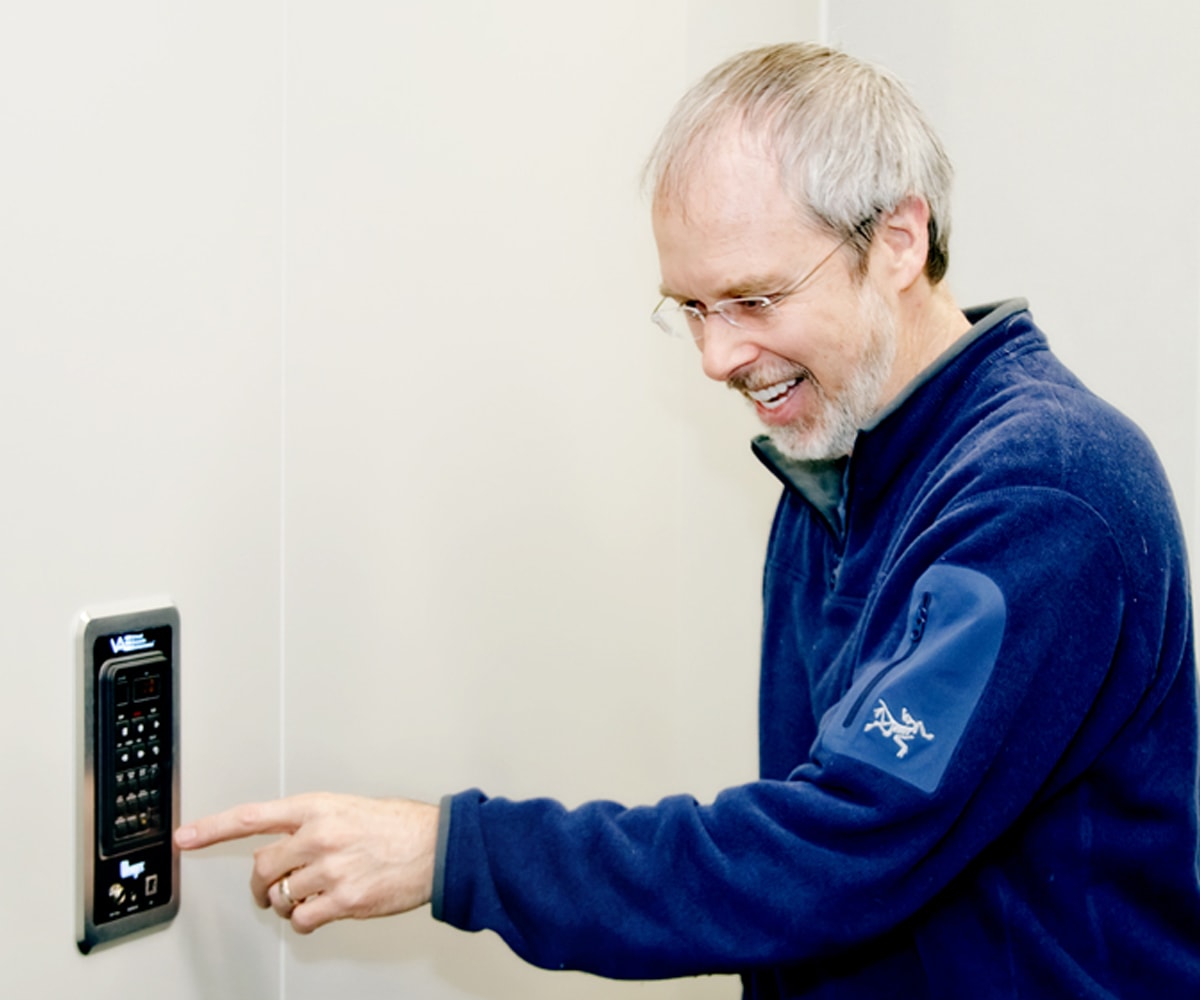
x=819 y=371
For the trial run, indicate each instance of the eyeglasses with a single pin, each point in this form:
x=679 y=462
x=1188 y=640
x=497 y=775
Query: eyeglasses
x=752 y=313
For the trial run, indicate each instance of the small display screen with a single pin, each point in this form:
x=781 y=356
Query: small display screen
x=145 y=688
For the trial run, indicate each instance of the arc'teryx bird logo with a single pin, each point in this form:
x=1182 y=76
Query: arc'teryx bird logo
x=901 y=732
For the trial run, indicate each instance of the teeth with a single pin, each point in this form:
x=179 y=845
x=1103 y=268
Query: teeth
x=773 y=395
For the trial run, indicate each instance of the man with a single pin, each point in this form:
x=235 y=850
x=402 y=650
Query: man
x=978 y=701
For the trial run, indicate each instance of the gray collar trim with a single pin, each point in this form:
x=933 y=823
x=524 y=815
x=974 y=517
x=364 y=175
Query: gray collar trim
x=982 y=318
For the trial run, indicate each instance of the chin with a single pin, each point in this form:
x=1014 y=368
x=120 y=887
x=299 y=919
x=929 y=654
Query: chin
x=813 y=444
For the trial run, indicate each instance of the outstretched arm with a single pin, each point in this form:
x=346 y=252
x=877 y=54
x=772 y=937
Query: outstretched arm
x=341 y=855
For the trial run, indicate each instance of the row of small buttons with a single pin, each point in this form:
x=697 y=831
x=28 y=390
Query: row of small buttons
x=138 y=754
x=138 y=801
x=137 y=728
x=137 y=778
x=144 y=822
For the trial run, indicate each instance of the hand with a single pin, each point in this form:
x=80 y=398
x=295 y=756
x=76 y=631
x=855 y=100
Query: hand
x=342 y=856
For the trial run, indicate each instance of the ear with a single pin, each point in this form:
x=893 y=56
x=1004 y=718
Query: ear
x=903 y=239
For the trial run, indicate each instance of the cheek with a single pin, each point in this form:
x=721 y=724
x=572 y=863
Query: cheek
x=829 y=345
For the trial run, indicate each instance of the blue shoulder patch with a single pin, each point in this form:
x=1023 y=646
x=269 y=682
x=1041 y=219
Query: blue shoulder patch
x=905 y=715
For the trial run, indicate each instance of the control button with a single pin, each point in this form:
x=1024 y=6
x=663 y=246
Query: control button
x=116 y=892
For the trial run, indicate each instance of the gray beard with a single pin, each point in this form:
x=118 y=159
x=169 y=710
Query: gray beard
x=832 y=433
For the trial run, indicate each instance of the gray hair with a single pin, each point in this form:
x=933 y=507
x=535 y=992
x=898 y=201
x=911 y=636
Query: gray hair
x=849 y=139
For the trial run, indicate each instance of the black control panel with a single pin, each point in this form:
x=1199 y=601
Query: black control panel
x=130 y=794
x=134 y=716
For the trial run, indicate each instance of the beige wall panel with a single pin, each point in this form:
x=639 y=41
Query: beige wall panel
x=524 y=537
x=139 y=395
x=1075 y=131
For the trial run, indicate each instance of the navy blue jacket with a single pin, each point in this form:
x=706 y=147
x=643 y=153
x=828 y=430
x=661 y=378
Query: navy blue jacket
x=978 y=730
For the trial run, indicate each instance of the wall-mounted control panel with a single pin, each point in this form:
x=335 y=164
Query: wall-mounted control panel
x=128 y=732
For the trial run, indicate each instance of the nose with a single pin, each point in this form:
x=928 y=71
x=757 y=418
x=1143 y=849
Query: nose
x=724 y=348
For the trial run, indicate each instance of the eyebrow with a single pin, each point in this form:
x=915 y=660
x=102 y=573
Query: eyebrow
x=749 y=287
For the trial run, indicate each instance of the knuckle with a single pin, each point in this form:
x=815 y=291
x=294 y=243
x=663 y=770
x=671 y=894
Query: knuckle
x=350 y=898
x=324 y=835
x=302 y=925
x=262 y=870
x=246 y=817
x=310 y=915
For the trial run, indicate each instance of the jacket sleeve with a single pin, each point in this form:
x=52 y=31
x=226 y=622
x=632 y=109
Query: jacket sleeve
x=984 y=680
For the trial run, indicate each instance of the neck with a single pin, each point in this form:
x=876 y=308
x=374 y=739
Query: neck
x=928 y=322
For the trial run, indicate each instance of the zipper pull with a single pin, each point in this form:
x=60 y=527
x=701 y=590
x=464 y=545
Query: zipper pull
x=921 y=618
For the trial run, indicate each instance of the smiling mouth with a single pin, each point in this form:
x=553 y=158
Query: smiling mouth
x=772 y=397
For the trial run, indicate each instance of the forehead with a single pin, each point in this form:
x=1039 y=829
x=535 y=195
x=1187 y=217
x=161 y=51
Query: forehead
x=724 y=179
x=727 y=222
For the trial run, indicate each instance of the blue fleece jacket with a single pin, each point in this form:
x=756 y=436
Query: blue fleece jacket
x=978 y=730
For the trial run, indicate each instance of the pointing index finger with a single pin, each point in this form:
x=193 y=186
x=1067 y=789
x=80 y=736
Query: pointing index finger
x=247 y=820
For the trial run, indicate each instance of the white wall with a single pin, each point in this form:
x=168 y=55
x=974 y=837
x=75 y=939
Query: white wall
x=1075 y=131
x=524 y=537
x=140 y=234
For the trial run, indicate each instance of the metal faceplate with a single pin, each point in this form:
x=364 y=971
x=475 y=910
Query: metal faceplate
x=128 y=770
